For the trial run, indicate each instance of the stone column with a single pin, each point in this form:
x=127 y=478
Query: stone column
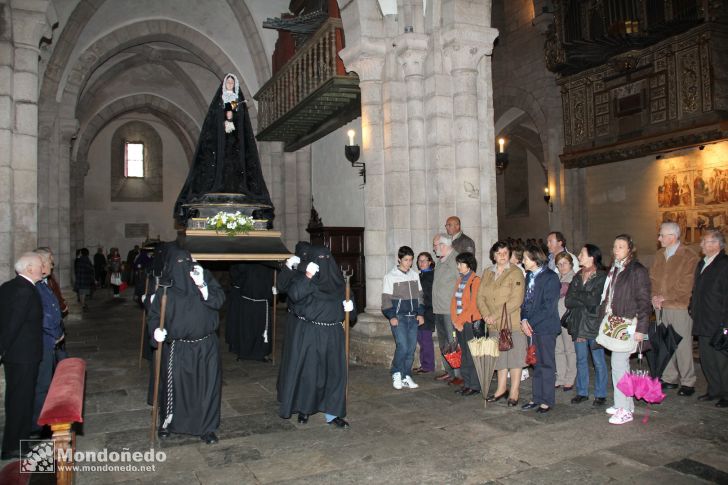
x=290 y=230
x=303 y=170
x=411 y=53
x=68 y=129
x=7 y=65
x=277 y=183
x=27 y=26
x=397 y=191
x=369 y=70
x=464 y=49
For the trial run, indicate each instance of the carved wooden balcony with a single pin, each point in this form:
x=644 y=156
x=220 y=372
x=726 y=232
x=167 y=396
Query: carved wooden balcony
x=311 y=95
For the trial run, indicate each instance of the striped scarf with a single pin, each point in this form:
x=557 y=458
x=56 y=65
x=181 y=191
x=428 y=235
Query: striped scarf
x=459 y=292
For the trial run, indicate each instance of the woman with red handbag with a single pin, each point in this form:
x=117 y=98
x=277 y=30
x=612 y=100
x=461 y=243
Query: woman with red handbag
x=463 y=312
x=540 y=320
x=502 y=288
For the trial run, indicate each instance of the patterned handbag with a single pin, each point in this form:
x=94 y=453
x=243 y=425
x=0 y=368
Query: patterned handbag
x=505 y=339
x=617 y=333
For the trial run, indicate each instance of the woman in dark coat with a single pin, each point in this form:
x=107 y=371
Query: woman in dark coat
x=540 y=320
x=84 y=276
x=627 y=294
x=314 y=377
x=424 y=332
x=191 y=373
x=582 y=299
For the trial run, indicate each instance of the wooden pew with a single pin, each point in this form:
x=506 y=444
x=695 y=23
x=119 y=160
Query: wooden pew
x=63 y=407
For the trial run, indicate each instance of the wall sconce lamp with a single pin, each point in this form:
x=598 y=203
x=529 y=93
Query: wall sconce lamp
x=547 y=198
x=352 y=153
x=501 y=158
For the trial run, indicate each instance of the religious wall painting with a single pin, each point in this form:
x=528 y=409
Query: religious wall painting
x=694 y=193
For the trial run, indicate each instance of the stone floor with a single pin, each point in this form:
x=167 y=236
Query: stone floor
x=427 y=435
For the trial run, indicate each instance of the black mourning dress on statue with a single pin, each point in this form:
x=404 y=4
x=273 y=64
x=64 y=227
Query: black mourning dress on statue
x=314 y=377
x=226 y=161
x=248 y=322
x=191 y=377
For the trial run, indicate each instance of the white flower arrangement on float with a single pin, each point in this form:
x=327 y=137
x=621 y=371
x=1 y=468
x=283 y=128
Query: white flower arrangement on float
x=231 y=223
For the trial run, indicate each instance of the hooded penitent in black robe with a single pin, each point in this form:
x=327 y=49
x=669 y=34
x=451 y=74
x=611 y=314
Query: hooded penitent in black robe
x=189 y=400
x=248 y=327
x=225 y=162
x=283 y=282
x=313 y=378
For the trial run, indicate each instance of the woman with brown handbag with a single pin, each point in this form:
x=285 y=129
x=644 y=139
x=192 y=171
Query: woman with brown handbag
x=499 y=301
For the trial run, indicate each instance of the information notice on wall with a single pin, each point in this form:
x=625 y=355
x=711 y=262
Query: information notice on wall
x=694 y=191
x=136 y=230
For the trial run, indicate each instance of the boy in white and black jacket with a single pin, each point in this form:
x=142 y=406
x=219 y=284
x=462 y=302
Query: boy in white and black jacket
x=402 y=305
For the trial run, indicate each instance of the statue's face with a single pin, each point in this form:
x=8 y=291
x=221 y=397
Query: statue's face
x=229 y=84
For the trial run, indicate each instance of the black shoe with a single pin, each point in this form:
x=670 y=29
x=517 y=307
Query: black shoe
x=339 y=423
x=722 y=403
x=163 y=433
x=512 y=402
x=686 y=391
x=579 y=399
x=302 y=418
x=529 y=406
x=568 y=388
x=599 y=401
x=668 y=385
x=470 y=391
x=706 y=397
x=494 y=398
x=542 y=410
x=209 y=438
x=461 y=390
x=10 y=455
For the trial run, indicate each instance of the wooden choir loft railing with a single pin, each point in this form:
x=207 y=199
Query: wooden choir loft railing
x=315 y=72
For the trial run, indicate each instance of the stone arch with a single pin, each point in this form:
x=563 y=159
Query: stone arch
x=514 y=105
x=140 y=60
x=178 y=121
x=251 y=34
x=143 y=32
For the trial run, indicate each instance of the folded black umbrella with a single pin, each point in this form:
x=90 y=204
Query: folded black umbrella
x=664 y=341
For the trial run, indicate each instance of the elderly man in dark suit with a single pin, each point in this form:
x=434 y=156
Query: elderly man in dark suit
x=21 y=348
x=709 y=309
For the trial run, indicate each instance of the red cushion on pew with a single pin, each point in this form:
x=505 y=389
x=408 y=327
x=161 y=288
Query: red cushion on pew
x=64 y=403
x=10 y=474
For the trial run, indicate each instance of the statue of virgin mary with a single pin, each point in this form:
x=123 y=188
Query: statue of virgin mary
x=226 y=166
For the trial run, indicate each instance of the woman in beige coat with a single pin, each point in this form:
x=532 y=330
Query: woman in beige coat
x=503 y=284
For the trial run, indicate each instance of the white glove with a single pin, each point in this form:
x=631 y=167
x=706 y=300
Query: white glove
x=348 y=305
x=312 y=268
x=292 y=262
x=160 y=334
x=198 y=275
x=275 y=290
x=144 y=297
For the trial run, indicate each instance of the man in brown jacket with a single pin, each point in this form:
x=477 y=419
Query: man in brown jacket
x=672 y=275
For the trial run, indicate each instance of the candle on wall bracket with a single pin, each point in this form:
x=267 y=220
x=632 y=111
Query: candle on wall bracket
x=352 y=152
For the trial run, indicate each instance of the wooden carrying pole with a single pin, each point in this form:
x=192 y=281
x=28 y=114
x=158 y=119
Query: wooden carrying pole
x=273 y=330
x=144 y=321
x=346 y=333
x=158 y=365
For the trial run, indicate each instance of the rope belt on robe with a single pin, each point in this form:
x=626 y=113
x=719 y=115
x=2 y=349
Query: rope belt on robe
x=170 y=368
x=323 y=324
x=265 y=332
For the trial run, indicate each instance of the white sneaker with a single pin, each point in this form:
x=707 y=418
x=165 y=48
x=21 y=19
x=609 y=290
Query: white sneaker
x=408 y=382
x=621 y=417
x=524 y=375
x=397 y=380
x=611 y=410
